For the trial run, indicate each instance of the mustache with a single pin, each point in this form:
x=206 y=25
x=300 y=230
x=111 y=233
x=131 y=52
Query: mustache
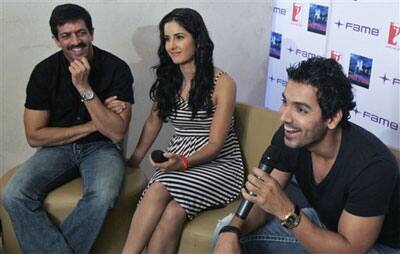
x=80 y=45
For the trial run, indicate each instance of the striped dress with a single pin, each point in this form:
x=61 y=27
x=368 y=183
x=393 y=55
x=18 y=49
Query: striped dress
x=212 y=184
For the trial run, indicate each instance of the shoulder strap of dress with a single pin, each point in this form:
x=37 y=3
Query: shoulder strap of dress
x=218 y=75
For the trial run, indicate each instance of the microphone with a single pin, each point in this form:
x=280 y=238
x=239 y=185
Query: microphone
x=157 y=156
x=271 y=154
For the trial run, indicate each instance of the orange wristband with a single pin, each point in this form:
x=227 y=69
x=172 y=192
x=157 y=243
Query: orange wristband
x=185 y=161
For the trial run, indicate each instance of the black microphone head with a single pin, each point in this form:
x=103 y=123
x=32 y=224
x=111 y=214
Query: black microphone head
x=271 y=154
x=157 y=156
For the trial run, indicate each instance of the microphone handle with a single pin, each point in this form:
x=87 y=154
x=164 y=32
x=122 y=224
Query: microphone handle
x=244 y=209
x=246 y=205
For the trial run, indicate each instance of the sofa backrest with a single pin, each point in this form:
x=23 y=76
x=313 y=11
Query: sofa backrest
x=255 y=127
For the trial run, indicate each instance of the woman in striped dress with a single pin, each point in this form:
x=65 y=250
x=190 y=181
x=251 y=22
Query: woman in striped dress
x=204 y=167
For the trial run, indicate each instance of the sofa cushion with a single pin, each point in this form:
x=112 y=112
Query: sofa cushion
x=197 y=234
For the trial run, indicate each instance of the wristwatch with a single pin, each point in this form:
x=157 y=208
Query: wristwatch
x=87 y=95
x=292 y=219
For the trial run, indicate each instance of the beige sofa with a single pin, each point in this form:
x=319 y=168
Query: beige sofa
x=255 y=127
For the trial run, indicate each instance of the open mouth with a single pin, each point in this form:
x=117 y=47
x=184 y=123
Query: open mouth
x=77 y=48
x=291 y=131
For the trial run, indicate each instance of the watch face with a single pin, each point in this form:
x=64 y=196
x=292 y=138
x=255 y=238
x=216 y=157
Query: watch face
x=291 y=221
x=87 y=95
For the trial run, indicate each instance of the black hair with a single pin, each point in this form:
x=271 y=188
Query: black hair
x=334 y=90
x=68 y=13
x=165 y=89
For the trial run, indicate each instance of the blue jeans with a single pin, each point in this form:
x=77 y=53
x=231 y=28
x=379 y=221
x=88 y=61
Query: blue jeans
x=274 y=238
x=101 y=166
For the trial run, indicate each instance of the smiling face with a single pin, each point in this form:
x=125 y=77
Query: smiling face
x=302 y=116
x=75 y=40
x=179 y=43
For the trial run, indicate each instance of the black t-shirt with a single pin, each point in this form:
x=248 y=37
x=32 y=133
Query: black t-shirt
x=364 y=181
x=50 y=88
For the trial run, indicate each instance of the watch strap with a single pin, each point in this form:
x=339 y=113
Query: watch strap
x=297 y=210
x=231 y=229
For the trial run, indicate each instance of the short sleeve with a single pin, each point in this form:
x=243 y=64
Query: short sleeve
x=371 y=191
x=37 y=91
x=122 y=84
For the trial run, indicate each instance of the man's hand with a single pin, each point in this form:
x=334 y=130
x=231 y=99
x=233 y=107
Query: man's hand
x=267 y=193
x=91 y=125
x=80 y=70
x=115 y=105
x=227 y=243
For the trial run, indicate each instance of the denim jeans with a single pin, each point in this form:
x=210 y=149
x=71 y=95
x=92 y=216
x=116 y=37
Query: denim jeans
x=101 y=166
x=274 y=238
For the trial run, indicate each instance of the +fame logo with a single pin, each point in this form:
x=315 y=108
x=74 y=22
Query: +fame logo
x=384 y=78
x=339 y=24
x=359 y=28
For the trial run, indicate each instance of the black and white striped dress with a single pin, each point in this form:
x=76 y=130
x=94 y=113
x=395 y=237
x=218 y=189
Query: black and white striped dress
x=208 y=185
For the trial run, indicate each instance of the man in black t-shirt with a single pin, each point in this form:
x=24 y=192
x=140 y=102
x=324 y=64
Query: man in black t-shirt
x=349 y=177
x=66 y=117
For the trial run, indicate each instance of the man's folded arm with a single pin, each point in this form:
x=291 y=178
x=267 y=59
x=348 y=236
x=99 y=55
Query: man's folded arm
x=39 y=134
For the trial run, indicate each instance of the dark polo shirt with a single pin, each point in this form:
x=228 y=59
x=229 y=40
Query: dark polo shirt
x=50 y=88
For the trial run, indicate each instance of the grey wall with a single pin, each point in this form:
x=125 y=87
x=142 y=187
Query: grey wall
x=239 y=29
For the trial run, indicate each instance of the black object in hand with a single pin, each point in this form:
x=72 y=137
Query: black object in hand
x=157 y=156
x=271 y=155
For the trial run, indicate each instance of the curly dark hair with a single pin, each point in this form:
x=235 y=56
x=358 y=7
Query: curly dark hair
x=165 y=89
x=68 y=13
x=333 y=87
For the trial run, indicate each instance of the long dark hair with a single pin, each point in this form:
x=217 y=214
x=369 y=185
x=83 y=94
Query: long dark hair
x=165 y=89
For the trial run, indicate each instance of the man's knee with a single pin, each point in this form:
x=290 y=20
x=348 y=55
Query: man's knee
x=9 y=196
x=14 y=195
x=105 y=198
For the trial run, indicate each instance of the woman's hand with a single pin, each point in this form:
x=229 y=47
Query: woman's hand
x=174 y=162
